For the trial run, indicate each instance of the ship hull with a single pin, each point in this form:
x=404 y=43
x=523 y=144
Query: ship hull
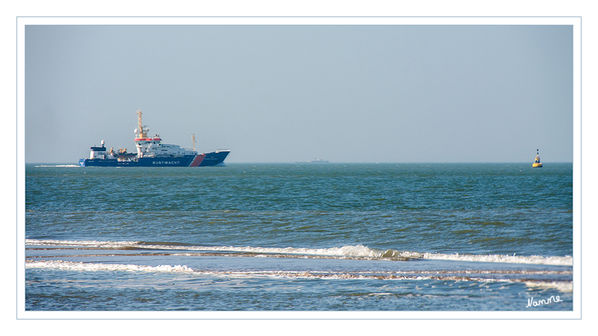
x=199 y=160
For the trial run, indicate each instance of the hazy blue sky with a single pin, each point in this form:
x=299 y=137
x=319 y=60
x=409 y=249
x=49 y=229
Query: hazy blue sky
x=295 y=93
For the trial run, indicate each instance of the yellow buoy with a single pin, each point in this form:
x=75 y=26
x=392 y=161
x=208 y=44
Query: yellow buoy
x=537 y=163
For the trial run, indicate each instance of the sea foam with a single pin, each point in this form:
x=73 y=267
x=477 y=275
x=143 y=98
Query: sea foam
x=563 y=286
x=348 y=251
x=92 y=267
x=58 y=166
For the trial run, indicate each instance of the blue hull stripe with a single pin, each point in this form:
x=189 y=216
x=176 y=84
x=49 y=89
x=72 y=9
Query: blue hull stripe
x=211 y=159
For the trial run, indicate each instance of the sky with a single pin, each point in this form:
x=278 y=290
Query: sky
x=293 y=93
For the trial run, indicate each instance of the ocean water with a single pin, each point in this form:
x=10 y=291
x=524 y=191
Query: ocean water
x=299 y=237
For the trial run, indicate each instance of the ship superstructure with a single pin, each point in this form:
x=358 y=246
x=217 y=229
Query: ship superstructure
x=151 y=152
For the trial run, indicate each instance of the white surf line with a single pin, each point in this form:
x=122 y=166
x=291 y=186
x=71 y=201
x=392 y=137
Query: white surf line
x=538 y=260
x=349 y=251
x=563 y=286
x=92 y=267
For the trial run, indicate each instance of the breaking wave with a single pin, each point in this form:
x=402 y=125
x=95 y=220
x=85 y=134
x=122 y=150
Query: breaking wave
x=91 y=267
x=511 y=259
x=348 y=252
x=563 y=286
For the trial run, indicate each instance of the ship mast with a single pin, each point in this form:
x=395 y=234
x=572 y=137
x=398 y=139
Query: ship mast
x=193 y=136
x=142 y=134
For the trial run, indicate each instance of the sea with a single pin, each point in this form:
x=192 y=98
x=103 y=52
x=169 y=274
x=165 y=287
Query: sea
x=300 y=237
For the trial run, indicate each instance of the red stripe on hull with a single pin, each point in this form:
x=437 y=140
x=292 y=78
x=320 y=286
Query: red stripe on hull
x=147 y=139
x=197 y=160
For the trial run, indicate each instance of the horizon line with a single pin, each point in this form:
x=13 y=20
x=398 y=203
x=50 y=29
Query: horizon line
x=349 y=162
